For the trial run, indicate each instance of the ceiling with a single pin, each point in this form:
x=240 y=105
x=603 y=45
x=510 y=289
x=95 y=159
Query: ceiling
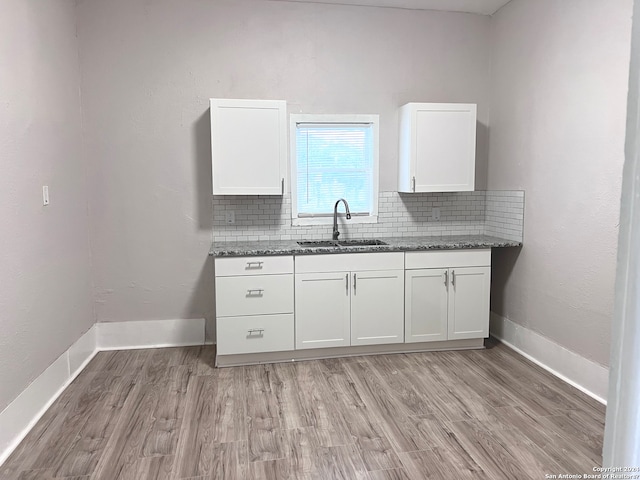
x=482 y=7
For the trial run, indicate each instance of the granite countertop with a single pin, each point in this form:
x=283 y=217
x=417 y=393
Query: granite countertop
x=394 y=244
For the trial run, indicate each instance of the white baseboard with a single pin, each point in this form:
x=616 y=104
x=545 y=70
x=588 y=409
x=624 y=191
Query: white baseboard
x=22 y=414
x=81 y=352
x=19 y=417
x=587 y=376
x=150 y=334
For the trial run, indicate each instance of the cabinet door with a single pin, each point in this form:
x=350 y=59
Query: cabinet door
x=445 y=148
x=437 y=147
x=426 y=305
x=248 y=146
x=322 y=307
x=377 y=307
x=469 y=302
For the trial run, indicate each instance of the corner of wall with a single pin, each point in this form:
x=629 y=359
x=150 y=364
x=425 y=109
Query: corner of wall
x=582 y=373
x=20 y=416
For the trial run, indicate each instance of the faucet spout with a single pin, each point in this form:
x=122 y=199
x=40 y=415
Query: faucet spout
x=336 y=233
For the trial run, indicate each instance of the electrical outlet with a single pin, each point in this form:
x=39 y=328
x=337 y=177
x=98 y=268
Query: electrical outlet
x=45 y=195
x=229 y=217
x=435 y=214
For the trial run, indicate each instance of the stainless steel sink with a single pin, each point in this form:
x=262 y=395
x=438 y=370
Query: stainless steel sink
x=360 y=243
x=318 y=243
x=340 y=243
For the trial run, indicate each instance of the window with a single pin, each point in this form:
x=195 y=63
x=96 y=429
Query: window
x=333 y=157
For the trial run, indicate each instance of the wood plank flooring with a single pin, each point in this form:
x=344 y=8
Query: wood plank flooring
x=168 y=414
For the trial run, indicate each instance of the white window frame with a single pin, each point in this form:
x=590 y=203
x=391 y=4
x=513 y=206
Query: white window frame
x=374 y=121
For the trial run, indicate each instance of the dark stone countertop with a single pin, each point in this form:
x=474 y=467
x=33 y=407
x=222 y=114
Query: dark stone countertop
x=394 y=244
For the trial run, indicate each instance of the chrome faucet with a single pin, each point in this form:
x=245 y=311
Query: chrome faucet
x=336 y=233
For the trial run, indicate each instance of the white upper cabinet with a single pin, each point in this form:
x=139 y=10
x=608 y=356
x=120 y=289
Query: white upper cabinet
x=437 y=147
x=248 y=146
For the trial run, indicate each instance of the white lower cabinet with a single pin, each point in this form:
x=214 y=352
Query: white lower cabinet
x=376 y=307
x=254 y=295
x=359 y=305
x=322 y=310
x=450 y=303
x=469 y=292
x=254 y=304
x=276 y=304
x=254 y=334
x=426 y=305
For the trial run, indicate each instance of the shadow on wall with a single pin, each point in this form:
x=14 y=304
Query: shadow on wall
x=202 y=301
x=503 y=261
x=482 y=156
x=202 y=171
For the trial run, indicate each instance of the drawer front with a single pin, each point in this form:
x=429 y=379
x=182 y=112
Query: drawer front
x=448 y=259
x=339 y=262
x=226 y=267
x=254 y=295
x=254 y=334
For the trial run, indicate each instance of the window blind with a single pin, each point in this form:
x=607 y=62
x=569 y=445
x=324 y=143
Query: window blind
x=334 y=161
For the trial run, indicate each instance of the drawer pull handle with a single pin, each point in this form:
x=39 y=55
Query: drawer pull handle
x=255 y=292
x=453 y=278
x=446 y=277
x=254 y=265
x=256 y=331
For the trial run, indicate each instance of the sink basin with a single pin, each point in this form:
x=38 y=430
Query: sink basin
x=360 y=243
x=340 y=243
x=318 y=243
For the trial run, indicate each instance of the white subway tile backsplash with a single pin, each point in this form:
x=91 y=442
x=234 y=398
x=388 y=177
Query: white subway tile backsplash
x=504 y=215
x=495 y=213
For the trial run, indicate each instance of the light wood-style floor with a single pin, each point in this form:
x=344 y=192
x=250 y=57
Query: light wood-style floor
x=168 y=414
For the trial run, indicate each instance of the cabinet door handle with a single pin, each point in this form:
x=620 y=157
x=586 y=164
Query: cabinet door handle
x=346 y=283
x=254 y=265
x=446 y=277
x=255 y=331
x=453 y=278
x=255 y=292
x=413 y=184
x=354 y=283
x=282 y=186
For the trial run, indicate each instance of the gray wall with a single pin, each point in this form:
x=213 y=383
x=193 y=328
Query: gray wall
x=148 y=70
x=44 y=256
x=557 y=96
x=622 y=425
x=559 y=88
